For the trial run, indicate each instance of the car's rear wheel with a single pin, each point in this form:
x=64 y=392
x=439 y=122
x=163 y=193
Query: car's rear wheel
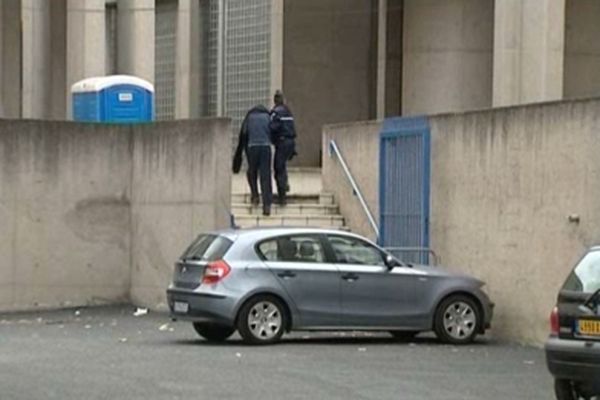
x=457 y=320
x=262 y=320
x=404 y=335
x=213 y=332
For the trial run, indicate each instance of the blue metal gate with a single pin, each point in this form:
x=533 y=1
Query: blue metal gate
x=404 y=186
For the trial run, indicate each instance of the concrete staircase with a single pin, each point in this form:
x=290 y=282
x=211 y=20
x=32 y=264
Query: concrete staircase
x=307 y=204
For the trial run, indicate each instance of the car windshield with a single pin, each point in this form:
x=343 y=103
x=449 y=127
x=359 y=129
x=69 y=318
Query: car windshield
x=207 y=248
x=586 y=275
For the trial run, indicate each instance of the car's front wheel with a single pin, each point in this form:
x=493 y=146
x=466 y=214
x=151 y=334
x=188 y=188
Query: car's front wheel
x=262 y=320
x=213 y=332
x=457 y=320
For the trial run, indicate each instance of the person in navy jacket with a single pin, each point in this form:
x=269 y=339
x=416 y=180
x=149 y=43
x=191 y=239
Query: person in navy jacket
x=283 y=133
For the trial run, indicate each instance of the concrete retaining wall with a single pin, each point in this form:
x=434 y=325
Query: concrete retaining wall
x=503 y=182
x=98 y=213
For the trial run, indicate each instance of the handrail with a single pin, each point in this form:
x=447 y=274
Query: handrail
x=334 y=149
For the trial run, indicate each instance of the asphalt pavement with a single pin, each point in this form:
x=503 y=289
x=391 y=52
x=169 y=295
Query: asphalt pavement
x=108 y=353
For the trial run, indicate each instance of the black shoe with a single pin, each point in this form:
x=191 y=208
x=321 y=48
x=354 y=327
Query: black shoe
x=266 y=211
x=282 y=201
x=287 y=187
x=255 y=201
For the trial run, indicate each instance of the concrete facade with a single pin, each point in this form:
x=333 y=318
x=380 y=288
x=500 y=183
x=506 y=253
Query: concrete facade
x=337 y=60
x=447 y=55
x=135 y=28
x=582 y=49
x=98 y=214
x=503 y=183
x=327 y=75
x=528 y=51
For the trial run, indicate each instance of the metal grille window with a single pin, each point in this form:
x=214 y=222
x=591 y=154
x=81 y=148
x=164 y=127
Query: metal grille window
x=165 y=53
x=239 y=77
x=247 y=66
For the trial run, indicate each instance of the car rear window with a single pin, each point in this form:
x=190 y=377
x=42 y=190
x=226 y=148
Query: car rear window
x=207 y=248
x=586 y=274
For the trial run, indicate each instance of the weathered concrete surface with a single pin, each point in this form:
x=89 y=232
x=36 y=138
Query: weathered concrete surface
x=98 y=213
x=503 y=183
x=181 y=186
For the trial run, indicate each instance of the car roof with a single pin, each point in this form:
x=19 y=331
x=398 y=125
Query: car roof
x=258 y=233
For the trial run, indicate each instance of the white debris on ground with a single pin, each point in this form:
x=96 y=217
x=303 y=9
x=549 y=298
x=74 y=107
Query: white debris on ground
x=140 y=311
x=77 y=312
x=164 y=327
x=529 y=362
x=238 y=355
x=123 y=340
x=362 y=349
x=88 y=327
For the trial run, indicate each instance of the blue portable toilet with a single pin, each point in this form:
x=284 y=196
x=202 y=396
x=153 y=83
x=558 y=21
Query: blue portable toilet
x=116 y=99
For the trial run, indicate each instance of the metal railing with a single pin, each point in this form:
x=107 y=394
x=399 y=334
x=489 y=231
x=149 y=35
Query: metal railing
x=431 y=255
x=334 y=150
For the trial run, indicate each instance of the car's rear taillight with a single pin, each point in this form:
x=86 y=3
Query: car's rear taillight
x=215 y=271
x=554 y=323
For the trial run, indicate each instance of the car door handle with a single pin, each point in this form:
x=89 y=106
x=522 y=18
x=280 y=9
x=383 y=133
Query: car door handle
x=286 y=274
x=350 y=277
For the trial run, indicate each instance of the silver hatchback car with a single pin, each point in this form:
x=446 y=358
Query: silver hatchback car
x=265 y=282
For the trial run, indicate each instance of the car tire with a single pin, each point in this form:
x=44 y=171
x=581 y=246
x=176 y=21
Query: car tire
x=213 y=332
x=457 y=320
x=262 y=320
x=564 y=390
x=404 y=336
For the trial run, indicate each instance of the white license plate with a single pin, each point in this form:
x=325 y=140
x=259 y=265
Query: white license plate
x=181 y=307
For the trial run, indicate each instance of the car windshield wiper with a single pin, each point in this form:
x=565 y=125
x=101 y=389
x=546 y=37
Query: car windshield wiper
x=592 y=302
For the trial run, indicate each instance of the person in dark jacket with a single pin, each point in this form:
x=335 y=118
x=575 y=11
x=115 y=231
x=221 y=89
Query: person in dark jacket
x=255 y=140
x=284 y=139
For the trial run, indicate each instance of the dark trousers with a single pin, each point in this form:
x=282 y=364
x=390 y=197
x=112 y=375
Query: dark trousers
x=259 y=163
x=283 y=152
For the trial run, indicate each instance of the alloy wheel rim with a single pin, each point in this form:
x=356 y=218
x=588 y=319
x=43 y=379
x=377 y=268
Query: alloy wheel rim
x=460 y=320
x=264 y=320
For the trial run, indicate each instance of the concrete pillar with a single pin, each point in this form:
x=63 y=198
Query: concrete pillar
x=86 y=42
x=11 y=55
x=1 y=64
x=185 y=52
x=393 y=70
x=447 y=57
x=582 y=49
x=382 y=11
x=35 y=17
x=58 y=60
x=528 y=51
x=276 y=46
x=135 y=38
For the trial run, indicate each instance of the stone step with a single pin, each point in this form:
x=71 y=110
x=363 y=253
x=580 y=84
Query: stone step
x=301 y=181
x=320 y=221
x=290 y=209
x=293 y=199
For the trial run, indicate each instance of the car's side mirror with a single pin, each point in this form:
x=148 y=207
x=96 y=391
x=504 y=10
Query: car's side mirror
x=391 y=262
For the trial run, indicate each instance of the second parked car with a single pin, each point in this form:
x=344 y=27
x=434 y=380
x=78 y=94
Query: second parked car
x=573 y=349
x=265 y=282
